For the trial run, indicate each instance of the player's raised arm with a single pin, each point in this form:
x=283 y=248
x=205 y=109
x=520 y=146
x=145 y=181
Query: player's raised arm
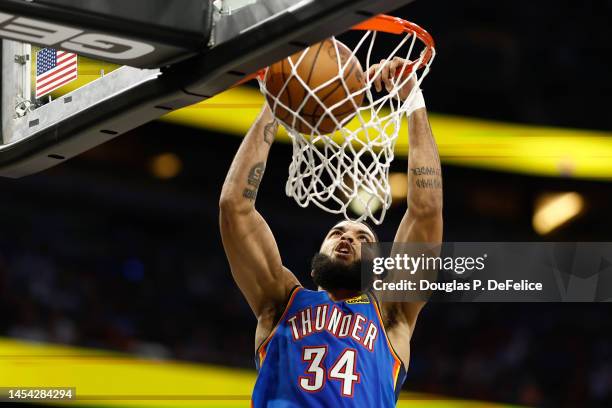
x=249 y=244
x=422 y=222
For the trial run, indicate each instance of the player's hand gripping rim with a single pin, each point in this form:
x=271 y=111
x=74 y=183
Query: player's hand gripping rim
x=387 y=73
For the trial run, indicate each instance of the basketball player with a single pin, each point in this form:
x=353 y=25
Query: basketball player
x=335 y=347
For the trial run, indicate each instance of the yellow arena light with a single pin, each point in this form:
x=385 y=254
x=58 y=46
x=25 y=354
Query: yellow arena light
x=537 y=150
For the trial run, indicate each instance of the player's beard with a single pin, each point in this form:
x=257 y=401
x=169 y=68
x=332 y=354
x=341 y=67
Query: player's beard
x=333 y=275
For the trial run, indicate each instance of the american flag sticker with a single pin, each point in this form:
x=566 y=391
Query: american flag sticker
x=54 y=68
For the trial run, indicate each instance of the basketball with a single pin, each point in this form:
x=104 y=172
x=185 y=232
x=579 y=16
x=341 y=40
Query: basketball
x=317 y=67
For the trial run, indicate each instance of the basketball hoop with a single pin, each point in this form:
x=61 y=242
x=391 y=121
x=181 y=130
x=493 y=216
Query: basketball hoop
x=350 y=167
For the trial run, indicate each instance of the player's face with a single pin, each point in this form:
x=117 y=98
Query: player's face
x=343 y=242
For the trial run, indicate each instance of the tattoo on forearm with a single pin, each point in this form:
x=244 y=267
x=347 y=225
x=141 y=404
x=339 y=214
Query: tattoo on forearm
x=426 y=171
x=433 y=181
x=253 y=180
x=270 y=131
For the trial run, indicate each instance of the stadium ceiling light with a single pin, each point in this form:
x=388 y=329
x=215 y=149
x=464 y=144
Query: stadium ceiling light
x=554 y=210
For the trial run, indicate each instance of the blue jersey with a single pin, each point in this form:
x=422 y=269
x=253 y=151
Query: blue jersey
x=324 y=353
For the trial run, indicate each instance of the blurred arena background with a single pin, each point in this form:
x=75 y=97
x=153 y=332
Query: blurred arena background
x=119 y=249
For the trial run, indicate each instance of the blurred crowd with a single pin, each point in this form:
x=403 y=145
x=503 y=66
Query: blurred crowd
x=98 y=253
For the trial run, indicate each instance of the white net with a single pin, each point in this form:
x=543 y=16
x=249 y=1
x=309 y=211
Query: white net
x=346 y=171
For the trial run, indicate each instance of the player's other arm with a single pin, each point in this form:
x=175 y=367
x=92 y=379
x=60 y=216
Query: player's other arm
x=250 y=247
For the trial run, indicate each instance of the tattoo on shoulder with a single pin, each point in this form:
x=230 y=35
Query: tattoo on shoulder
x=253 y=181
x=270 y=131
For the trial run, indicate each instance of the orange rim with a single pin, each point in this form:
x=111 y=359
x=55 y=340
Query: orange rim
x=385 y=24
x=396 y=25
